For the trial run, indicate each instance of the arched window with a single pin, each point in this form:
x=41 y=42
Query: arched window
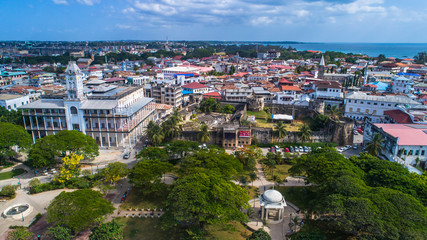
x=73 y=110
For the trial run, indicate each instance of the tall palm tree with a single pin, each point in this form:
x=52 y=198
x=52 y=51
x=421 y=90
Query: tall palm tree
x=253 y=177
x=375 y=147
x=154 y=133
x=335 y=112
x=305 y=133
x=176 y=117
x=281 y=130
x=204 y=136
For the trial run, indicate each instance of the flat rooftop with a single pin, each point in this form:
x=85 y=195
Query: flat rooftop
x=408 y=134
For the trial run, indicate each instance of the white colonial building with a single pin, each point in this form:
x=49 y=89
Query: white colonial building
x=403 y=85
x=112 y=115
x=360 y=105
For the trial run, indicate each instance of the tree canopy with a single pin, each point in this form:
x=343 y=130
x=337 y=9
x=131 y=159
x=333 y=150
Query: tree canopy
x=147 y=174
x=107 y=231
x=44 y=151
x=114 y=172
x=366 y=197
x=79 y=209
x=205 y=198
x=12 y=135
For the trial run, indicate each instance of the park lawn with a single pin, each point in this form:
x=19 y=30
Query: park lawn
x=231 y=231
x=136 y=199
x=281 y=171
x=146 y=229
x=11 y=174
x=258 y=115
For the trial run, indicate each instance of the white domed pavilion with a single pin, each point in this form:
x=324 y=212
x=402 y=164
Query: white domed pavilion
x=272 y=205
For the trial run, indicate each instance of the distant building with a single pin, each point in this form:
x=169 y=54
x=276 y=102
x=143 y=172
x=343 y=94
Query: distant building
x=167 y=94
x=359 y=105
x=402 y=85
x=13 y=101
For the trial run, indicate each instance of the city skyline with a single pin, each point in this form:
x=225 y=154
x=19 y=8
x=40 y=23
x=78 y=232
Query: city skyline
x=382 y=21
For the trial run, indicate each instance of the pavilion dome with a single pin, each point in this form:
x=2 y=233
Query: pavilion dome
x=272 y=196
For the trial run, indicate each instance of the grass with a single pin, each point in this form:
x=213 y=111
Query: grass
x=259 y=115
x=136 y=199
x=11 y=174
x=146 y=229
x=231 y=231
x=281 y=171
x=149 y=228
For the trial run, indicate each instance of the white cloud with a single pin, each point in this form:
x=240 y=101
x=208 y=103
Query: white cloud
x=64 y=2
x=359 y=6
x=88 y=2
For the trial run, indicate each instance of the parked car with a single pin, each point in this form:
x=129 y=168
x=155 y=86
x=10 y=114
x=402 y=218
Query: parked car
x=126 y=156
x=277 y=148
x=273 y=149
x=301 y=149
x=354 y=146
x=360 y=131
x=291 y=149
x=305 y=149
x=286 y=150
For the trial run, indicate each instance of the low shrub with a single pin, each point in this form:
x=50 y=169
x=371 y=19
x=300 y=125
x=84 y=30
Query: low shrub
x=8 y=191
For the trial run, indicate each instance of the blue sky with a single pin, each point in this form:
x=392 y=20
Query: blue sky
x=257 y=20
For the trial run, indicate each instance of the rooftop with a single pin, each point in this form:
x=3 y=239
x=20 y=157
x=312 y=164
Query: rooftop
x=408 y=134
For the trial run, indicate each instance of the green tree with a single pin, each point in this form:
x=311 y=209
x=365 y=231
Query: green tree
x=79 y=209
x=8 y=191
x=12 y=135
x=204 y=135
x=305 y=133
x=228 y=109
x=335 y=113
x=319 y=122
x=248 y=156
x=381 y=58
x=212 y=160
x=11 y=116
x=253 y=177
x=153 y=153
x=147 y=175
x=74 y=141
x=59 y=233
x=208 y=105
x=34 y=182
x=20 y=233
x=182 y=148
x=43 y=152
x=154 y=133
x=375 y=147
x=207 y=198
x=114 y=172
x=259 y=234
x=281 y=130
x=107 y=231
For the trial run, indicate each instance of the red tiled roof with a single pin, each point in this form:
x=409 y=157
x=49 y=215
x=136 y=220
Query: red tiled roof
x=215 y=95
x=291 y=88
x=398 y=116
x=194 y=85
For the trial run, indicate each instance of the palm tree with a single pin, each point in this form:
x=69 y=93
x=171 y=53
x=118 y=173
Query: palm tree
x=375 y=147
x=253 y=177
x=305 y=133
x=281 y=130
x=335 y=113
x=176 y=117
x=204 y=136
x=154 y=133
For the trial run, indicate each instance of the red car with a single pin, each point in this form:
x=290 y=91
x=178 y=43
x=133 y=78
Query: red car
x=359 y=131
x=286 y=149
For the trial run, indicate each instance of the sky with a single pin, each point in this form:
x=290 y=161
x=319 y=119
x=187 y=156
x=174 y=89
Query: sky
x=381 y=21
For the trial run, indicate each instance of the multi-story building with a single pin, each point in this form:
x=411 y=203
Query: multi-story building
x=13 y=101
x=403 y=143
x=329 y=92
x=42 y=79
x=237 y=95
x=359 y=105
x=167 y=94
x=112 y=115
x=139 y=80
x=403 y=85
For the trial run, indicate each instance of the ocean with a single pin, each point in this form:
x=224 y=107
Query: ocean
x=397 y=50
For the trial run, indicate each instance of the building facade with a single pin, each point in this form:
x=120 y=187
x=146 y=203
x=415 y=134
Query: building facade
x=112 y=115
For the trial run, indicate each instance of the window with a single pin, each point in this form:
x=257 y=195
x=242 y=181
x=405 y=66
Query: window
x=382 y=104
x=361 y=102
x=367 y=111
x=375 y=104
x=350 y=109
x=422 y=152
x=374 y=112
x=410 y=152
x=76 y=127
x=417 y=152
x=389 y=105
x=73 y=110
x=369 y=103
x=405 y=152
x=349 y=101
x=358 y=110
x=355 y=101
